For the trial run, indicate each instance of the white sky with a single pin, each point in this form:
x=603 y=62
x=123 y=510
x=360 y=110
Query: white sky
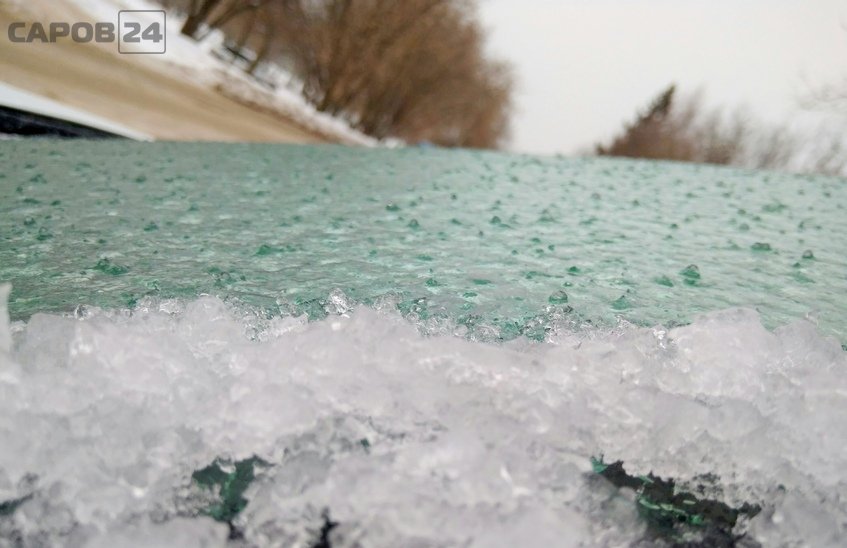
x=583 y=67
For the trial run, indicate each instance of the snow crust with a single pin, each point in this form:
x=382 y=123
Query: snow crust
x=408 y=439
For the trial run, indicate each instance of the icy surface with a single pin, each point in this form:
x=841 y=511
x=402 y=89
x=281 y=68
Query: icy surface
x=410 y=347
x=494 y=245
x=408 y=440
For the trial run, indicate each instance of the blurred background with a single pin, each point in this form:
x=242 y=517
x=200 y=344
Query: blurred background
x=759 y=83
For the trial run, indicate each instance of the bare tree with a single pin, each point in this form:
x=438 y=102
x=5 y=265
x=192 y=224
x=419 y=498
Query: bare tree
x=659 y=132
x=831 y=97
x=413 y=69
x=198 y=12
x=830 y=153
x=687 y=131
x=214 y=13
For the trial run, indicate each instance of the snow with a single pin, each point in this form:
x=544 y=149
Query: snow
x=408 y=439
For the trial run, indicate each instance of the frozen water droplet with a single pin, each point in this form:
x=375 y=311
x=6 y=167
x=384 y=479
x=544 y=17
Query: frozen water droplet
x=559 y=297
x=338 y=303
x=664 y=280
x=691 y=273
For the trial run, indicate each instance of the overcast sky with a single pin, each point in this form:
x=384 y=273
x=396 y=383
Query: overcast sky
x=583 y=67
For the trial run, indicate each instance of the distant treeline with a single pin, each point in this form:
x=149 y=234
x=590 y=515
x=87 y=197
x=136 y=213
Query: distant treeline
x=411 y=69
x=685 y=130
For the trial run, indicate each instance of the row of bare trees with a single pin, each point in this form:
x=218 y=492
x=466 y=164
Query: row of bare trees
x=685 y=130
x=412 y=69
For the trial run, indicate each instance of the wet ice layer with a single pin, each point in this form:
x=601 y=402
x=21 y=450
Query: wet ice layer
x=403 y=439
x=482 y=239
